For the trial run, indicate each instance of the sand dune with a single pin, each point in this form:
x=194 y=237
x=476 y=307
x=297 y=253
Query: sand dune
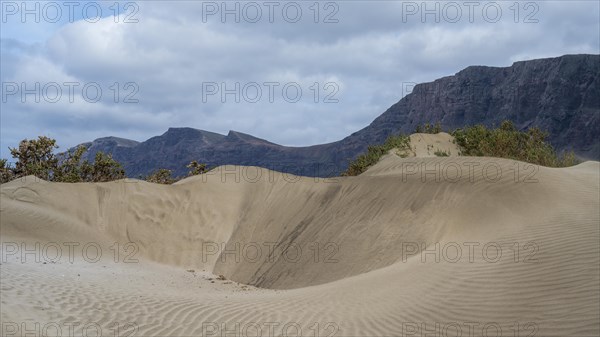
x=426 y=145
x=414 y=245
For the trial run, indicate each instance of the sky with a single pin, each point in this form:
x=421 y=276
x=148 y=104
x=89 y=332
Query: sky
x=294 y=73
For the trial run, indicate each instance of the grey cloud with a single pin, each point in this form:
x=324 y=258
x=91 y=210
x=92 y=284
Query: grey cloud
x=370 y=53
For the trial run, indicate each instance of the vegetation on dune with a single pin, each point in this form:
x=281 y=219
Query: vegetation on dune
x=375 y=152
x=165 y=176
x=104 y=168
x=72 y=169
x=36 y=157
x=429 y=128
x=440 y=153
x=508 y=142
x=196 y=168
x=503 y=142
x=6 y=173
x=161 y=176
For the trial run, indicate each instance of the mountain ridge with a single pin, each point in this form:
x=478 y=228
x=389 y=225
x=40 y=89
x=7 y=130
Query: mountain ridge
x=559 y=94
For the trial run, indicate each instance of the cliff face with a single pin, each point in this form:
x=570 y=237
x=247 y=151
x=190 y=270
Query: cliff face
x=560 y=95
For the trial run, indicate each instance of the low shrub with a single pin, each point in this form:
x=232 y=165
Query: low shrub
x=440 y=153
x=161 y=176
x=375 y=152
x=508 y=142
x=429 y=128
x=36 y=157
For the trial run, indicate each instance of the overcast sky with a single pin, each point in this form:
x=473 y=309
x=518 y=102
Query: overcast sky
x=161 y=64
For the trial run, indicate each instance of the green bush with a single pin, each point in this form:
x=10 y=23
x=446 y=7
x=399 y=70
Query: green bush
x=508 y=142
x=104 y=169
x=161 y=176
x=6 y=173
x=70 y=168
x=440 y=153
x=429 y=128
x=36 y=157
x=164 y=176
x=375 y=152
x=196 y=168
x=502 y=142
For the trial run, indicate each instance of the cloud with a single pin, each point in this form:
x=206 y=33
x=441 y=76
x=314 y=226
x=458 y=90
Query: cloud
x=166 y=59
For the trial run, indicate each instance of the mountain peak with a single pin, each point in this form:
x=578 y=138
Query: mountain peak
x=240 y=136
x=115 y=141
x=187 y=133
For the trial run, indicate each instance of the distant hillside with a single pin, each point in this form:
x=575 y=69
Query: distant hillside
x=178 y=146
x=561 y=95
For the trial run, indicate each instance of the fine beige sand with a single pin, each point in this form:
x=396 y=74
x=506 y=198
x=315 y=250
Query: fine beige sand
x=426 y=145
x=450 y=246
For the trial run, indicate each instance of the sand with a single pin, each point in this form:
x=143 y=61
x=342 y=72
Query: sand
x=440 y=245
x=426 y=145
